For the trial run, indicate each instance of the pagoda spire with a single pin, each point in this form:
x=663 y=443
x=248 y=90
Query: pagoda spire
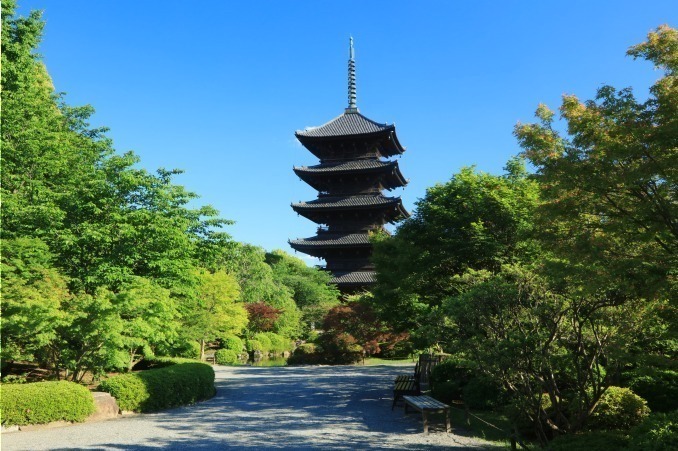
x=352 y=106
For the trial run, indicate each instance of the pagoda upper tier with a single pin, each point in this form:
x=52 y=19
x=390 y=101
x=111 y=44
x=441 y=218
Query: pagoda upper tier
x=355 y=176
x=350 y=136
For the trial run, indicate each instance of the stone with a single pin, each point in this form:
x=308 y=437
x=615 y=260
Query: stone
x=106 y=407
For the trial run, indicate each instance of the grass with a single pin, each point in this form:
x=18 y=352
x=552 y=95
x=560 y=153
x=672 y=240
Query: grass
x=377 y=361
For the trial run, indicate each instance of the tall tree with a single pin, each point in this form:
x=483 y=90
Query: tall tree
x=610 y=188
x=474 y=221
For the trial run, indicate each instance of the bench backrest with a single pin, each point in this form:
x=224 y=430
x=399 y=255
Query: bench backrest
x=426 y=363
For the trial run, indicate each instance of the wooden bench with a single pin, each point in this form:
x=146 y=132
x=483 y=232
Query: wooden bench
x=210 y=357
x=425 y=405
x=404 y=387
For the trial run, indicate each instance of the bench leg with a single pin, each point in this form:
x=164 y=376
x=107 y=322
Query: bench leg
x=447 y=420
x=423 y=414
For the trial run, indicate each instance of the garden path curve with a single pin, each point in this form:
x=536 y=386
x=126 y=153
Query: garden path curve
x=267 y=408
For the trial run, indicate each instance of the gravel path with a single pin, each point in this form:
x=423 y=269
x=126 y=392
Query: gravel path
x=259 y=408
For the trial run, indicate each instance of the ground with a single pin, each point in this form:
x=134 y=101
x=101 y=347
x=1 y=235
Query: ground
x=276 y=408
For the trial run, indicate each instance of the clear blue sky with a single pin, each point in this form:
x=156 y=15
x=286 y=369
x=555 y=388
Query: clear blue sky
x=218 y=88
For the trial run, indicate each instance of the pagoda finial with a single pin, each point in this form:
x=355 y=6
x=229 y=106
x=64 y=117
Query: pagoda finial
x=352 y=106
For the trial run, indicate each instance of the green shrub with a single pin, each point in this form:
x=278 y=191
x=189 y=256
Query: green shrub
x=590 y=441
x=658 y=386
x=266 y=344
x=483 y=393
x=43 y=402
x=658 y=432
x=339 y=349
x=254 y=345
x=226 y=357
x=305 y=354
x=162 y=388
x=233 y=343
x=279 y=343
x=618 y=408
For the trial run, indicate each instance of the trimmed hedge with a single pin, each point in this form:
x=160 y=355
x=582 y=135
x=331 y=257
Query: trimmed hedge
x=225 y=357
x=44 y=402
x=658 y=432
x=162 y=388
x=233 y=343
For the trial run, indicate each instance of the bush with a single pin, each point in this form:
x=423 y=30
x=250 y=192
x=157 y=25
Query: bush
x=658 y=386
x=162 y=388
x=339 y=349
x=226 y=357
x=43 y=402
x=590 y=441
x=483 y=393
x=266 y=345
x=305 y=354
x=254 y=345
x=279 y=344
x=658 y=432
x=233 y=343
x=618 y=408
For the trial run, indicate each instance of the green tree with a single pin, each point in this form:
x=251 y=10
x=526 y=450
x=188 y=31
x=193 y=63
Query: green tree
x=609 y=189
x=213 y=310
x=474 y=221
x=149 y=319
x=32 y=296
x=311 y=288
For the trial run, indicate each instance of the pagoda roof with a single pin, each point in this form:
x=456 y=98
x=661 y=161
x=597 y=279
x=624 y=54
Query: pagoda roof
x=347 y=202
x=354 y=278
x=333 y=240
x=348 y=124
x=318 y=176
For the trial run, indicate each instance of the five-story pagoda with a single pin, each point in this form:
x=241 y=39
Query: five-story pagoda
x=350 y=179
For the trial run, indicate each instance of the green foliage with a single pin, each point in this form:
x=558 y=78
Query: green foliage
x=339 y=349
x=310 y=286
x=233 y=343
x=163 y=388
x=226 y=357
x=658 y=386
x=43 y=402
x=258 y=284
x=264 y=341
x=474 y=221
x=305 y=354
x=32 y=296
x=609 y=188
x=88 y=237
x=279 y=343
x=618 y=408
x=187 y=350
x=658 y=432
x=213 y=310
x=254 y=345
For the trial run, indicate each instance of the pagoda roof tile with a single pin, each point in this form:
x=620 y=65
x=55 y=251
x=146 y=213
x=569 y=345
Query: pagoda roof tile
x=347 y=166
x=354 y=278
x=348 y=124
x=333 y=240
x=347 y=201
